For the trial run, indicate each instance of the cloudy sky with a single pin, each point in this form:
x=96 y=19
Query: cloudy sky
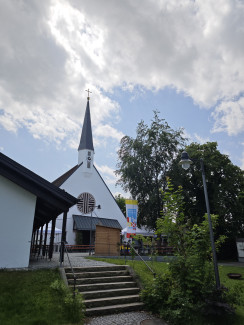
x=184 y=58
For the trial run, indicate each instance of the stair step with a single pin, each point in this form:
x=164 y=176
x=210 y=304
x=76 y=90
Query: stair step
x=110 y=293
x=114 y=309
x=104 y=286
x=97 y=274
x=100 y=302
x=96 y=268
x=125 y=278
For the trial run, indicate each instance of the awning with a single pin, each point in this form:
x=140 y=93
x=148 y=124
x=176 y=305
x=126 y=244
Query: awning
x=143 y=232
x=89 y=223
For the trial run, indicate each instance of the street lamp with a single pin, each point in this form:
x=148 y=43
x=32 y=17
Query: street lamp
x=92 y=208
x=185 y=163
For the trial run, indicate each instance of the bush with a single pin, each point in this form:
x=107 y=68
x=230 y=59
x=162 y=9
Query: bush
x=72 y=302
x=188 y=291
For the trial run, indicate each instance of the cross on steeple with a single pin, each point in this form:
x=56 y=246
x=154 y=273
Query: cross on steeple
x=88 y=93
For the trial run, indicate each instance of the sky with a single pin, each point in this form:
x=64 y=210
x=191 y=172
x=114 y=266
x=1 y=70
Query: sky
x=183 y=58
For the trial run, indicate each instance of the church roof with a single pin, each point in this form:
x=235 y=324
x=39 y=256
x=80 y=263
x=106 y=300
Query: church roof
x=89 y=223
x=86 y=141
x=59 y=181
x=51 y=200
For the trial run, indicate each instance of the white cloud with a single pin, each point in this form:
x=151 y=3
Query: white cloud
x=108 y=131
x=192 y=46
x=201 y=139
x=229 y=117
x=107 y=174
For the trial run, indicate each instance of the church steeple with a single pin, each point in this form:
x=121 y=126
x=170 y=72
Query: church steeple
x=86 y=149
x=86 y=141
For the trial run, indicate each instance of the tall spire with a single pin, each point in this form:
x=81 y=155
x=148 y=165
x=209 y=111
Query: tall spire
x=86 y=141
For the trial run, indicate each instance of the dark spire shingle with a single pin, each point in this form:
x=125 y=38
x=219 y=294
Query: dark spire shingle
x=86 y=141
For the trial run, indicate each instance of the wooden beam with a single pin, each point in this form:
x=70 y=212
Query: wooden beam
x=63 y=238
x=50 y=255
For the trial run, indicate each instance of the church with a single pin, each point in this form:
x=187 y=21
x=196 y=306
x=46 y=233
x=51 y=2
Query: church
x=96 y=205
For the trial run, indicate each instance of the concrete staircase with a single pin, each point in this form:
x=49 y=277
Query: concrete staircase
x=106 y=289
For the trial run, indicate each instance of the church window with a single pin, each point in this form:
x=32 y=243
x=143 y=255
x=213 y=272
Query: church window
x=86 y=203
x=89 y=158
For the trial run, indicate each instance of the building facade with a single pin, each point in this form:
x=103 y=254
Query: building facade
x=96 y=204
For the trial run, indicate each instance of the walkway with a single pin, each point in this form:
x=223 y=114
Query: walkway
x=78 y=259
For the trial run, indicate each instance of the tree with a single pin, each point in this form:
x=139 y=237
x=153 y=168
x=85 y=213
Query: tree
x=144 y=163
x=225 y=184
x=121 y=203
x=186 y=293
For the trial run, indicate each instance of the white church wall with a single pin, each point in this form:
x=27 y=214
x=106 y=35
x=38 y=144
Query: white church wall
x=17 y=208
x=92 y=183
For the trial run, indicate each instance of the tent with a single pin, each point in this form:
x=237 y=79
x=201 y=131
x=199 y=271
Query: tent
x=143 y=232
x=57 y=230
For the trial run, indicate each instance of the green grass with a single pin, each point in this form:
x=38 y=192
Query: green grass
x=159 y=267
x=27 y=298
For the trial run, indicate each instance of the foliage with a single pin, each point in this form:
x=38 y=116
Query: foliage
x=73 y=302
x=188 y=288
x=144 y=163
x=225 y=183
x=157 y=297
x=145 y=276
x=27 y=298
x=121 y=203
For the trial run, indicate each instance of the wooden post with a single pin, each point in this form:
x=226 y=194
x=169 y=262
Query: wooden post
x=36 y=242
x=40 y=243
x=32 y=241
x=45 y=241
x=63 y=238
x=50 y=255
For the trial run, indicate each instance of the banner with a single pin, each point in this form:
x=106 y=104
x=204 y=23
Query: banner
x=131 y=216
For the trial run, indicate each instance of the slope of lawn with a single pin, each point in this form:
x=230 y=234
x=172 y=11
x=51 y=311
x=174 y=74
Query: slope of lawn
x=159 y=267
x=27 y=298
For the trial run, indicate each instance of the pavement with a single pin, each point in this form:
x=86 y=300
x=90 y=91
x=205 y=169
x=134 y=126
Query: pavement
x=78 y=259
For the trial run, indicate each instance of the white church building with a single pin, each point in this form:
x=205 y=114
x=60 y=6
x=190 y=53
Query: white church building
x=96 y=204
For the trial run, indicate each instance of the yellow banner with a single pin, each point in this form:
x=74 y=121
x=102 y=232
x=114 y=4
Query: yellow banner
x=133 y=202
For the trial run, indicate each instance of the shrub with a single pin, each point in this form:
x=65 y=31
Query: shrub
x=73 y=303
x=188 y=289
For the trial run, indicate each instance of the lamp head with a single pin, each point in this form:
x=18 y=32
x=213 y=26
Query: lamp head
x=185 y=160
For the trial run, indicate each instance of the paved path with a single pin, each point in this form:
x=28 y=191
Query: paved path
x=77 y=259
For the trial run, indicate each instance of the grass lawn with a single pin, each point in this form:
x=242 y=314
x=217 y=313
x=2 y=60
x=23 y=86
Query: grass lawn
x=26 y=298
x=159 y=267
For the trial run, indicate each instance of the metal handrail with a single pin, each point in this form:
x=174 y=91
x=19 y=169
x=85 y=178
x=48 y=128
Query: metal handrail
x=131 y=246
x=63 y=246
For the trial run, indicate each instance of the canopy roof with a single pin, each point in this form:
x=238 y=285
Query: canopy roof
x=89 y=223
x=51 y=201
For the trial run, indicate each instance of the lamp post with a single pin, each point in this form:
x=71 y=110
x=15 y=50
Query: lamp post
x=185 y=163
x=92 y=208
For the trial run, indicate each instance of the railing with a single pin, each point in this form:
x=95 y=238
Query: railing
x=85 y=248
x=63 y=249
x=150 y=269
x=146 y=250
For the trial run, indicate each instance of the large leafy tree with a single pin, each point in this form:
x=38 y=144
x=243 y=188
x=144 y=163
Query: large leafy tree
x=143 y=165
x=121 y=203
x=225 y=184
